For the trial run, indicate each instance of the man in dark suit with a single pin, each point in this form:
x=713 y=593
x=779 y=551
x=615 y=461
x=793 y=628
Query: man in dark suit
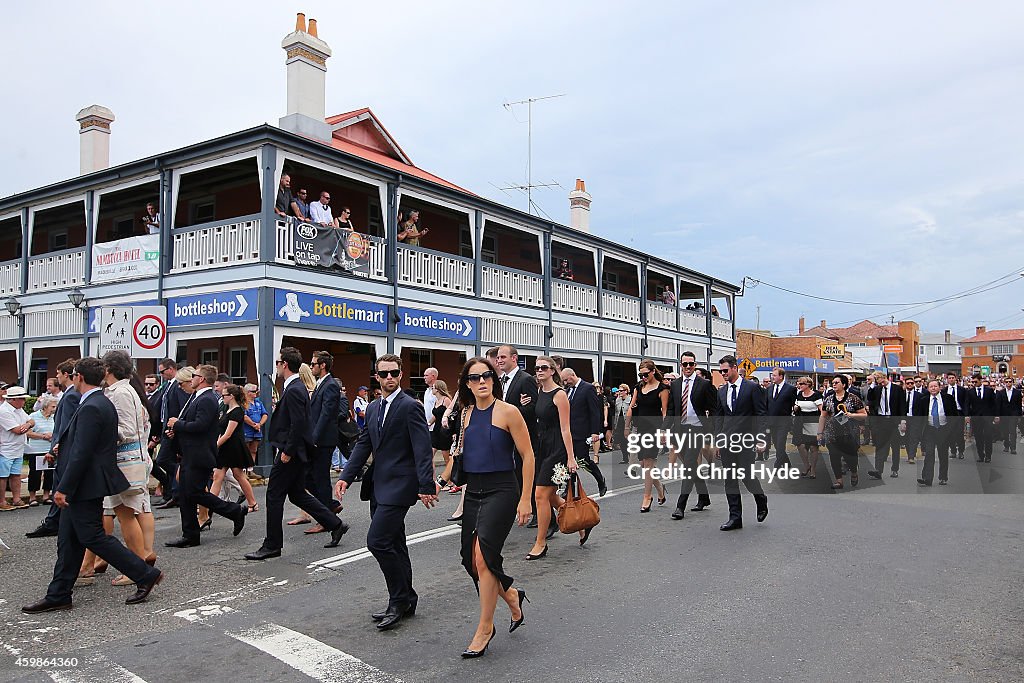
x=396 y=435
x=195 y=431
x=959 y=394
x=781 y=399
x=934 y=411
x=288 y=433
x=519 y=389
x=1008 y=412
x=887 y=405
x=61 y=419
x=586 y=421
x=89 y=449
x=981 y=408
x=172 y=400
x=692 y=404
x=323 y=427
x=912 y=433
x=741 y=414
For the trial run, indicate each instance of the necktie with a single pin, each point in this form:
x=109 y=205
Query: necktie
x=163 y=405
x=777 y=387
x=685 y=400
x=380 y=418
x=935 y=411
x=979 y=392
x=504 y=384
x=732 y=399
x=572 y=390
x=885 y=401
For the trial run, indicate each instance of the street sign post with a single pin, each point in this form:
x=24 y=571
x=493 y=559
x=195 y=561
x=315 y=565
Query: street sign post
x=141 y=331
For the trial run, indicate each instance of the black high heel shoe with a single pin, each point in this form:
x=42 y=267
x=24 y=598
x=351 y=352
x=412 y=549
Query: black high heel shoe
x=537 y=557
x=664 y=495
x=586 y=535
x=472 y=654
x=646 y=509
x=516 y=623
x=208 y=524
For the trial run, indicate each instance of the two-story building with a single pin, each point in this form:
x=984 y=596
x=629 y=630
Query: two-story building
x=226 y=266
x=940 y=353
x=989 y=352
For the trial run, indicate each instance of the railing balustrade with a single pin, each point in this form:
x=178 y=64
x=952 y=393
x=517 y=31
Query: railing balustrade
x=621 y=307
x=10 y=277
x=513 y=285
x=284 y=239
x=661 y=315
x=434 y=270
x=694 y=323
x=215 y=246
x=573 y=297
x=58 y=270
x=721 y=328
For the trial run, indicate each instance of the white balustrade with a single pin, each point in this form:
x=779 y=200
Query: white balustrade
x=721 y=328
x=516 y=332
x=661 y=315
x=512 y=285
x=285 y=250
x=573 y=297
x=8 y=327
x=56 y=271
x=10 y=277
x=621 y=307
x=53 y=322
x=435 y=270
x=694 y=323
x=216 y=246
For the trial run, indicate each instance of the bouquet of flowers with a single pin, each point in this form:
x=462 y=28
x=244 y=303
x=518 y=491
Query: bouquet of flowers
x=562 y=475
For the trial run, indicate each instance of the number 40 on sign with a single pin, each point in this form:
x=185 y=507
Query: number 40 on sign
x=139 y=330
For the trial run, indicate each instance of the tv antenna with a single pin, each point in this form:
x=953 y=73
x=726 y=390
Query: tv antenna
x=528 y=187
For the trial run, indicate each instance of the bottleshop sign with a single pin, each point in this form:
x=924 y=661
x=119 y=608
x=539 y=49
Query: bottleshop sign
x=316 y=309
x=131 y=257
x=808 y=365
x=437 y=324
x=213 y=308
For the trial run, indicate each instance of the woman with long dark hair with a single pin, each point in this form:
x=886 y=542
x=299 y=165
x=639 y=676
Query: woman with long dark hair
x=490 y=433
x=839 y=429
x=647 y=410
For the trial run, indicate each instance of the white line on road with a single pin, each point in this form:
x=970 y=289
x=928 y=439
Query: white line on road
x=97 y=668
x=310 y=656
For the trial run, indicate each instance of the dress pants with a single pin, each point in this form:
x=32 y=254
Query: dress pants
x=884 y=436
x=1008 y=427
x=956 y=434
x=738 y=465
x=582 y=450
x=81 y=529
x=780 y=432
x=981 y=426
x=166 y=466
x=386 y=542
x=935 y=439
x=288 y=480
x=52 y=519
x=318 y=475
x=913 y=437
x=192 y=492
x=689 y=455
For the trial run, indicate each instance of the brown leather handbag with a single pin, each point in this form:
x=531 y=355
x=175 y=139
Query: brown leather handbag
x=578 y=513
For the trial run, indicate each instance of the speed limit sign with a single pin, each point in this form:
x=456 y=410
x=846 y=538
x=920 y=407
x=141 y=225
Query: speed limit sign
x=139 y=330
x=149 y=332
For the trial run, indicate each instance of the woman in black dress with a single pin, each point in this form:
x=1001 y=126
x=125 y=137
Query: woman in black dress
x=232 y=453
x=807 y=410
x=647 y=412
x=490 y=433
x=440 y=437
x=554 y=443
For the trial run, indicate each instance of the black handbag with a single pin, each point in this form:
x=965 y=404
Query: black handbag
x=458 y=474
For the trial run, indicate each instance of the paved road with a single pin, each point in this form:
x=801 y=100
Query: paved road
x=883 y=583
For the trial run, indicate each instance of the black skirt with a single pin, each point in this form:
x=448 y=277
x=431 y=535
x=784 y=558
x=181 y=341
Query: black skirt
x=488 y=513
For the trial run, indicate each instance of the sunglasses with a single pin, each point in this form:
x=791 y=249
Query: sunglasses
x=643 y=375
x=388 y=373
x=476 y=377
x=150 y=384
x=688 y=365
x=278 y=362
x=542 y=368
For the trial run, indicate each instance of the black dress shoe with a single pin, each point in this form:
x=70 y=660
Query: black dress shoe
x=942 y=482
x=336 y=536
x=922 y=482
x=532 y=524
x=677 y=513
x=874 y=474
x=263 y=554
x=143 y=590
x=701 y=504
x=552 y=528
x=183 y=543
x=45 y=605
x=409 y=612
x=41 y=532
x=601 y=490
x=391 y=618
x=762 y=514
x=240 y=522
x=167 y=504
x=732 y=525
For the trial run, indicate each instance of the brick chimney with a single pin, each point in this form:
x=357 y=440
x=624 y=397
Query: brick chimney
x=94 y=138
x=823 y=324
x=980 y=329
x=306 y=63
x=579 y=207
x=803 y=325
x=948 y=336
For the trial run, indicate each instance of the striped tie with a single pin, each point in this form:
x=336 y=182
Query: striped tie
x=685 y=400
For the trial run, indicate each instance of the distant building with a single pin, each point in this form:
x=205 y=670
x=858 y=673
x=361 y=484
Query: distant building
x=940 y=352
x=863 y=339
x=993 y=352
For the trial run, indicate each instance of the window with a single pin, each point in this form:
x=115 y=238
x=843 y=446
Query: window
x=209 y=357
x=181 y=353
x=202 y=210
x=123 y=227
x=938 y=350
x=489 y=251
x=58 y=241
x=238 y=361
x=999 y=349
x=465 y=243
x=419 y=360
x=37 y=376
x=611 y=281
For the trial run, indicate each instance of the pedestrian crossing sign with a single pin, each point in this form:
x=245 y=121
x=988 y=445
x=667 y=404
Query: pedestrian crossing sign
x=748 y=367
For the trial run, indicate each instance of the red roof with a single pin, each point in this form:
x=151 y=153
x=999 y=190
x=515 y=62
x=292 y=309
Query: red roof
x=863 y=329
x=997 y=336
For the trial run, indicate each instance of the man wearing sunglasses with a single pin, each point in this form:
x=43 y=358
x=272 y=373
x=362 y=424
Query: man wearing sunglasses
x=741 y=413
x=781 y=399
x=585 y=421
x=1008 y=410
x=691 y=403
x=403 y=472
x=288 y=433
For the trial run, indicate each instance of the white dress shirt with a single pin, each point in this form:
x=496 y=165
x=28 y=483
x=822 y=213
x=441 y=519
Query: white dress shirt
x=320 y=212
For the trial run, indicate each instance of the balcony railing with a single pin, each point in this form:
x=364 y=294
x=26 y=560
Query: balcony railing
x=434 y=270
x=621 y=307
x=721 y=328
x=215 y=246
x=10 y=277
x=573 y=297
x=285 y=250
x=513 y=285
x=694 y=323
x=54 y=321
x=8 y=327
x=661 y=315
x=56 y=271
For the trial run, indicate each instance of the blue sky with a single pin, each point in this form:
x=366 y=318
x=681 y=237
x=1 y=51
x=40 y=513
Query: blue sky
x=867 y=151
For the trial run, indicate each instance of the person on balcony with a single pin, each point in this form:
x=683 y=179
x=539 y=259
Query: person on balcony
x=300 y=205
x=564 y=272
x=344 y=220
x=320 y=211
x=152 y=219
x=284 y=196
x=668 y=297
x=410 y=232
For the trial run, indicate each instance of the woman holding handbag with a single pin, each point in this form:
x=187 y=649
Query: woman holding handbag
x=839 y=429
x=554 y=443
x=490 y=433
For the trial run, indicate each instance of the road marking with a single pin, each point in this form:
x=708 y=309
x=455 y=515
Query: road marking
x=310 y=656
x=203 y=613
x=221 y=596
x=97 y=668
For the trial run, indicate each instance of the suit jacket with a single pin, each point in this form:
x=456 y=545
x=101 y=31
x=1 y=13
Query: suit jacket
x=585 y=412
x=89 y=451
x=702 y=395
x=961 y=397
x=61 y=419
x=1008 y=408
x=747 y=416
x=524 y=383
x=922 y=407
x=897 y=400
x=783 y=405
x=288 y=431
x=323 y=413
x=155 y=428
x=196 y=432
x=403 y=461
x=985 y=405
x=176 y=400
